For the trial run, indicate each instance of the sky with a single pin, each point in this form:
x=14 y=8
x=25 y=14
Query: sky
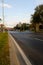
x=16 y=11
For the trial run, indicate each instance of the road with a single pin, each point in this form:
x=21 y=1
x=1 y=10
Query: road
x=32 y=45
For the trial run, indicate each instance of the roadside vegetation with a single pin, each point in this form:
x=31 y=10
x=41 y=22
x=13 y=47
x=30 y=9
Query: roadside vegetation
x=37 y=19
x=4 y=49
x=22 y=27
x=36 y=22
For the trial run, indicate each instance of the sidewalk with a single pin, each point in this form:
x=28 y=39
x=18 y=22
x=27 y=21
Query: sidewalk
x=13 y=56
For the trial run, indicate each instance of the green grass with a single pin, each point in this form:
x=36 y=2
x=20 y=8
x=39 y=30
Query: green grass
x=4 y=49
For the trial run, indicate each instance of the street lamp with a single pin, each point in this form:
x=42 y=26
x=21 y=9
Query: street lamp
x=3 y=13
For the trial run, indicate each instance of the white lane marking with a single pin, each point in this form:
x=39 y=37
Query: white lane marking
x=21 y=52
x=38 y=39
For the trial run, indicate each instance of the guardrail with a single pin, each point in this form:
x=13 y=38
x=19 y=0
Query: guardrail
x=14 y=50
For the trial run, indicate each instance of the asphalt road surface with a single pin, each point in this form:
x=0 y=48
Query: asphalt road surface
x=32 y=45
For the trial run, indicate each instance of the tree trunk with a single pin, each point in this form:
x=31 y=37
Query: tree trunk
x=37 y=27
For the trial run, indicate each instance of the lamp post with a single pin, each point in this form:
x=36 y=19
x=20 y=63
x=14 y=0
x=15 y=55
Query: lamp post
x=3 y=13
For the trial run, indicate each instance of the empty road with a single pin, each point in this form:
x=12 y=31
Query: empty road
x=31 y=44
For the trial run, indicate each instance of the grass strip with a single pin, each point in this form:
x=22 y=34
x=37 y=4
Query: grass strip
x=4 y=49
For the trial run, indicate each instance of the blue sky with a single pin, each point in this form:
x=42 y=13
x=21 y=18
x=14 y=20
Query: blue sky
x=16 y=11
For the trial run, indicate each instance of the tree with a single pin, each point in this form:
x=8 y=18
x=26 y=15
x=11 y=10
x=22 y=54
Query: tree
x=23 y=27
x=0 y=19
x=37 y=17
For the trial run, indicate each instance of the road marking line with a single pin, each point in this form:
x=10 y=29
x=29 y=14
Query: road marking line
x=21 y=52
x=38 y=39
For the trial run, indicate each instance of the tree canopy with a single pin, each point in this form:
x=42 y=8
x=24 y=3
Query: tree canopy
x=0 y=19
x=37 y=17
